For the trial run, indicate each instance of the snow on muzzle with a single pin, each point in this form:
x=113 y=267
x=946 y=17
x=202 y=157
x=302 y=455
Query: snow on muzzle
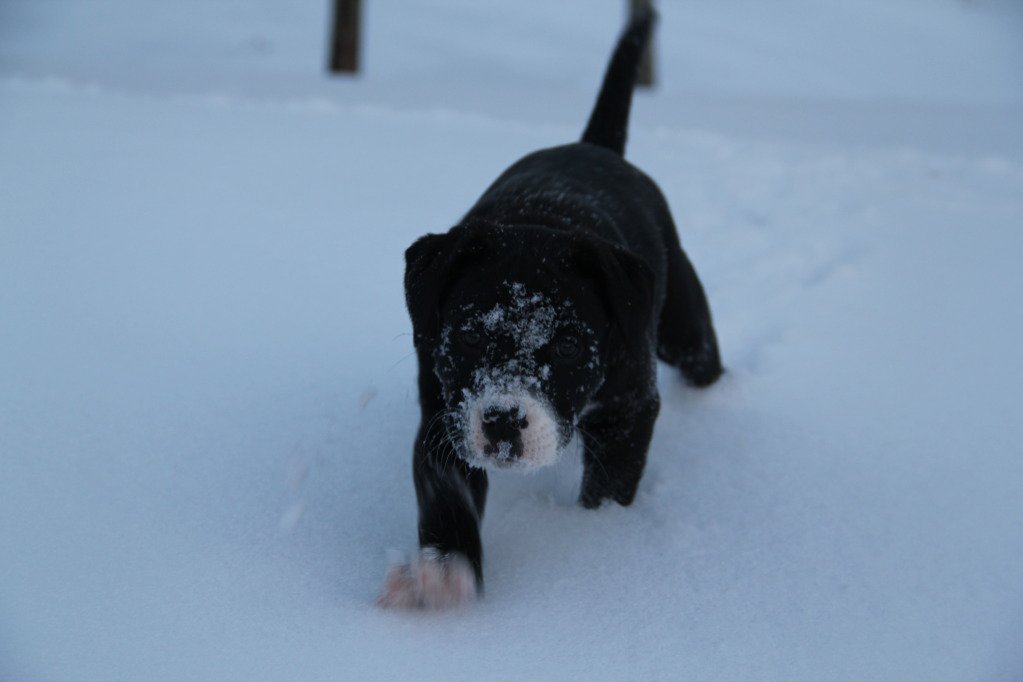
x=510 y=430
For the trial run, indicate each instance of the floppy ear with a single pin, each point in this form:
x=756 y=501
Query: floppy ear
x=424 y=270
x=432 y=264
x=627 y=287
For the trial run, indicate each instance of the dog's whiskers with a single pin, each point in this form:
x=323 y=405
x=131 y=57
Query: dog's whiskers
x=401 y=360
x=593 y=445
x=436 y=440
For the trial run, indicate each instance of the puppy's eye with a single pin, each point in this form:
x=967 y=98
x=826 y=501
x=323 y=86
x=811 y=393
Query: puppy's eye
x=567 y=347
x=471 y=339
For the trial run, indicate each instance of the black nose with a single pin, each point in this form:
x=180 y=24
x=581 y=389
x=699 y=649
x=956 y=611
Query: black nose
x=503 y=428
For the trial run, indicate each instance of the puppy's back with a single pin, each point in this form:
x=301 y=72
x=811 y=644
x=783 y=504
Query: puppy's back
x=586 y=187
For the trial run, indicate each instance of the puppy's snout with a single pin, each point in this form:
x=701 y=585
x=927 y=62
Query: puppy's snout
x=503 y=427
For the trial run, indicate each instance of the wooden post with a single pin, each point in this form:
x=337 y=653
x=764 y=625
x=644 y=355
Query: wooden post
x=645 y=77
x=344 y=47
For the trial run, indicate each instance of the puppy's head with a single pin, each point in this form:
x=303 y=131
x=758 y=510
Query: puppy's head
x=521 y=324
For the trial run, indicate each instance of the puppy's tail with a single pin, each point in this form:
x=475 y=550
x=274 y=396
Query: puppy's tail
x=610 y=118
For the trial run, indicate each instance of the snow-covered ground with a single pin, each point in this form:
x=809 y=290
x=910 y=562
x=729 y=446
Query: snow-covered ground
x=206 y=394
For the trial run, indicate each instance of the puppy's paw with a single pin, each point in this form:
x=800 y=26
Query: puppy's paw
x=701 y=367
x=702 y=372
x=432 y=581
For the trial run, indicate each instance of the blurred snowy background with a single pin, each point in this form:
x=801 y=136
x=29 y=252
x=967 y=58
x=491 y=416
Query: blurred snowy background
x=206 y=394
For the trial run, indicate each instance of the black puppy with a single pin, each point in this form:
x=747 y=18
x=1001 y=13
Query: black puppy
x=538 y=315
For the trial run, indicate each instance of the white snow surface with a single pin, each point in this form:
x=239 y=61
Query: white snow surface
x=207 y=397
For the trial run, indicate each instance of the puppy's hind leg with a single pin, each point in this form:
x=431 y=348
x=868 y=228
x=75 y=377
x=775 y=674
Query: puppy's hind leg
x=686 y=337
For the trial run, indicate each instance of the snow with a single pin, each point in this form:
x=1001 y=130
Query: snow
x=531 y=322
x=208 y=397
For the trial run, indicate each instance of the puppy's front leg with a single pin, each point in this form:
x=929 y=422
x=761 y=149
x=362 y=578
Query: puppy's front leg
x=451 y=496
x=616 y=436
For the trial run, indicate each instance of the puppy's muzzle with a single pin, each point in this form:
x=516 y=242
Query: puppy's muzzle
x=509 y=430
x=502 y=428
